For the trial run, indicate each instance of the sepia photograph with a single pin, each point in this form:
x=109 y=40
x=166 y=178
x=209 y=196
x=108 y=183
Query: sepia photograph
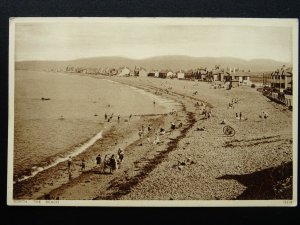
x=152 y=111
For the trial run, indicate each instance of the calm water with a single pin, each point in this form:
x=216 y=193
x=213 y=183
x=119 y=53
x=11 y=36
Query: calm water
x=41 y=137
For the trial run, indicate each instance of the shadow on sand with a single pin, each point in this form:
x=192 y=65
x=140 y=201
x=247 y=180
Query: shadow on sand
x=271 y=183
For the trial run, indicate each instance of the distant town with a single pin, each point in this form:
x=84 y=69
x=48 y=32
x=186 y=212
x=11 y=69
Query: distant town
x=276 y=85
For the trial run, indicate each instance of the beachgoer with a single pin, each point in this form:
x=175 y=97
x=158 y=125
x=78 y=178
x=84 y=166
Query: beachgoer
x=98 y=160
x=82 y=165
x=113 y=163
x=173 y=125
x=266 y=115
x=70 y=163
x=236 y=115
x=105 y=116
x=121 y=154
x=208 y=114
x=240 y=115
x=149 y=128
x=108 y=120
x=130 y=116
x=118 y=118
x=154 y=102
x=140 y=133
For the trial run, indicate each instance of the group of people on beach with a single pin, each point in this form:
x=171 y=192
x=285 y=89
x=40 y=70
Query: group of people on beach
x=238 y=116
x=113 y=162
x=231 y=104
x=264 y=115
x=109 y=118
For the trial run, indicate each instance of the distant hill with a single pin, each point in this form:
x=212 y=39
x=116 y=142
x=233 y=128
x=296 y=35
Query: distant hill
x=160 y=62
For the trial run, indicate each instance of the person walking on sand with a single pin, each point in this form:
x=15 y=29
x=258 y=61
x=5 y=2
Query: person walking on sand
x=118 y=118
x=105 y=116
x=70 y=163
x=140 y=133
x=113 y=163
x=173 y=126
x=82 y=165
x=240 y=115
x=154 y=102
x=149 y=128
x=98 y=160
x=236 y=115
x=130 y=116
x=121 y=156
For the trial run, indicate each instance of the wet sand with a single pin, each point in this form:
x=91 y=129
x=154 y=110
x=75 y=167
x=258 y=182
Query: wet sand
x=196 y=161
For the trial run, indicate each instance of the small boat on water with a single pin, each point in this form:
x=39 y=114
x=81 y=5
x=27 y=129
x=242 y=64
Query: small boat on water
x=45 y=99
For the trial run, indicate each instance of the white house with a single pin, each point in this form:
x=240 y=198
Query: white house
x=180 y=74
x=282 y=78
x=170 y=74
x=124 y=72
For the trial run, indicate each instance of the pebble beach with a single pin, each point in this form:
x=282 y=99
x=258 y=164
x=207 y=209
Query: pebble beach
x=194 y=161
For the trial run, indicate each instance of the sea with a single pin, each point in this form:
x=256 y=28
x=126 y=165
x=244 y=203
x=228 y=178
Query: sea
x=57 y=115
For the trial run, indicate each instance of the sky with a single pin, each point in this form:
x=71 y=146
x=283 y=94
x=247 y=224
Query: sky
x=66 y=40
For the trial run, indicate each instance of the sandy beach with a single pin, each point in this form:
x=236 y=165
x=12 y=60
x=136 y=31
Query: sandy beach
x=195 y=161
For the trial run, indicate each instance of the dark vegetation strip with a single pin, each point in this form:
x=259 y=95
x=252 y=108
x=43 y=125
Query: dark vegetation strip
x=229 y=145
x=254 y=139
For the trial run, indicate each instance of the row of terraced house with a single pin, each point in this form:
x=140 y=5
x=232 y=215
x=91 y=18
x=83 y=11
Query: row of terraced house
x=281 y=78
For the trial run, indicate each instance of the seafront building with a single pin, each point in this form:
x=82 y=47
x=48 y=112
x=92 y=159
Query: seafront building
x=282 y=79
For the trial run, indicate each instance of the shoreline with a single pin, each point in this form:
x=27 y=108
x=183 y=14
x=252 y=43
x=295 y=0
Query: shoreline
x=23 y=189
x=152 y=172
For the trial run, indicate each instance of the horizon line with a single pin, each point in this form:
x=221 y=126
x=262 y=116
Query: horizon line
x=116 y=56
